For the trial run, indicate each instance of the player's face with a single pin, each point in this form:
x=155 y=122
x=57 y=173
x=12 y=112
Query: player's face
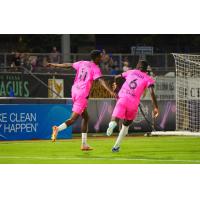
x=99 y=59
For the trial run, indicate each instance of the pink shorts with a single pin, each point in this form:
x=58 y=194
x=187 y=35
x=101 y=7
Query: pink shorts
x=125 y=109
x=79 y=104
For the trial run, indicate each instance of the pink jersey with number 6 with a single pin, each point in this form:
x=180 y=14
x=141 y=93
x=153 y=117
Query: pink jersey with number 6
x=86 y=73
x=130 y=94
x=135 y=84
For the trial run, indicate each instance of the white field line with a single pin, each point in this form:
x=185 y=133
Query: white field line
x=97 y=158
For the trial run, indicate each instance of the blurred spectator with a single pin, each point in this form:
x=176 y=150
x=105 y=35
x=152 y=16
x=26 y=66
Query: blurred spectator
x=126 y=65
x=33 y=62
x=125 y=62
x=23 y=58
x=125 y=59
x=45 y=61
x=113 y=71
x=28 y=61
x=126 y=68
x=107 y=61
x=55 y=56
x=16 y=62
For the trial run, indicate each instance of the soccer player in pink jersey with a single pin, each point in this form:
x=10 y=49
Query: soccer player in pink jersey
x=86 y=73
x=126 y=108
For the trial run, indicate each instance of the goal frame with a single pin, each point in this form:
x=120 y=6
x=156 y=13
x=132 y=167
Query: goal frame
x=178 y=132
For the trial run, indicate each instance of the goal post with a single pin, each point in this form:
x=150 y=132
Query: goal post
x=187 y=95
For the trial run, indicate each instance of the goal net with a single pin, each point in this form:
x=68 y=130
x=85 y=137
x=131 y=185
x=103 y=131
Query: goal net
x=187 y=95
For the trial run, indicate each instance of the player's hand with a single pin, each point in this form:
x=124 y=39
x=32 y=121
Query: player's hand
x=113 y=94
x=49 y=65
x=155 y=112
x=114 y=86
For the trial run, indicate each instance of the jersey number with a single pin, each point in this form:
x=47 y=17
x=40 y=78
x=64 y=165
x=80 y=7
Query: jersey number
x=83 y=75
x=133 y=84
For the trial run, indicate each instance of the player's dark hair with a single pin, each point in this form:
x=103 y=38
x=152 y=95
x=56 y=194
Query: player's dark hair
x=95 y=54
x=144 y=65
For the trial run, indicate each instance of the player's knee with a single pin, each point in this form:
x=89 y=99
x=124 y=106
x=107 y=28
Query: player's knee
x=86 y=118
x=73 y=120
x=70 y=121
x=127 y=123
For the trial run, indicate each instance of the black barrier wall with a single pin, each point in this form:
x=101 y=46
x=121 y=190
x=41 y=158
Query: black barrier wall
x=18 y=85
x=100 y=112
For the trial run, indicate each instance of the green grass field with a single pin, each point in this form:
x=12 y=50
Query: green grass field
x=158 y=150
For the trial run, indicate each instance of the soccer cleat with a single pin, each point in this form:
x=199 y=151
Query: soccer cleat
x=109 y=131
x=86 y=148
x=115 y=149
x=54 y=133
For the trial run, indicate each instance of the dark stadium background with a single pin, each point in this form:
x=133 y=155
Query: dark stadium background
x=115 y=43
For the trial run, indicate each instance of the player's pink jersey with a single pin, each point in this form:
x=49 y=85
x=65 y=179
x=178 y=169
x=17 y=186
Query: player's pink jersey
x=135 y=84
x=86 y=72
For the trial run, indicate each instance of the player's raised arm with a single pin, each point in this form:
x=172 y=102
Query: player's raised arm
x=155 y=104
x=105 y=85
x=60 y=65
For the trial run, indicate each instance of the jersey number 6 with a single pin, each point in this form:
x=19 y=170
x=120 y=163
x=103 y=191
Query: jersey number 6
x=133 y=84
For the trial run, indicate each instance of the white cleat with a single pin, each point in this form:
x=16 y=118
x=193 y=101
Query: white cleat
x=109 y=131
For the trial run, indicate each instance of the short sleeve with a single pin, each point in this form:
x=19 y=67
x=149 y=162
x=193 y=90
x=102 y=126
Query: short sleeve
x=96 y=73
x=150 y=81
x=76 y=65
x=124 y=74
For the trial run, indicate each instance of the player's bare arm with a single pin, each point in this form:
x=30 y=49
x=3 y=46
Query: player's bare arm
x=60 y=65
x=117 y=76
x=114 y=85
x=154 y=101
x=144 y=94
x=105 y=85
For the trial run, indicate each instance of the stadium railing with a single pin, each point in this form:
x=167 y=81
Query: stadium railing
x=36 y=62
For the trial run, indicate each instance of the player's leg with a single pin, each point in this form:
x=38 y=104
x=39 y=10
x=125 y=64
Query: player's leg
x=85 y=121
x=130 y=114
x=118 y=113
x=112 y=125
x=64 y=125
x=84 y=130
x=79 y=105
x=123 y=132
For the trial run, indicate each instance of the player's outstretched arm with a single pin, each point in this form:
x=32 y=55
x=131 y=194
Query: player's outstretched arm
x=154 y=101
x=59 y=65
x=117 y=76
x=105 y=85
x=114 y=85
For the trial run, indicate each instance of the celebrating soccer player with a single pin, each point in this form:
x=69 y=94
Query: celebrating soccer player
x=86 y=73
x=136 y=81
